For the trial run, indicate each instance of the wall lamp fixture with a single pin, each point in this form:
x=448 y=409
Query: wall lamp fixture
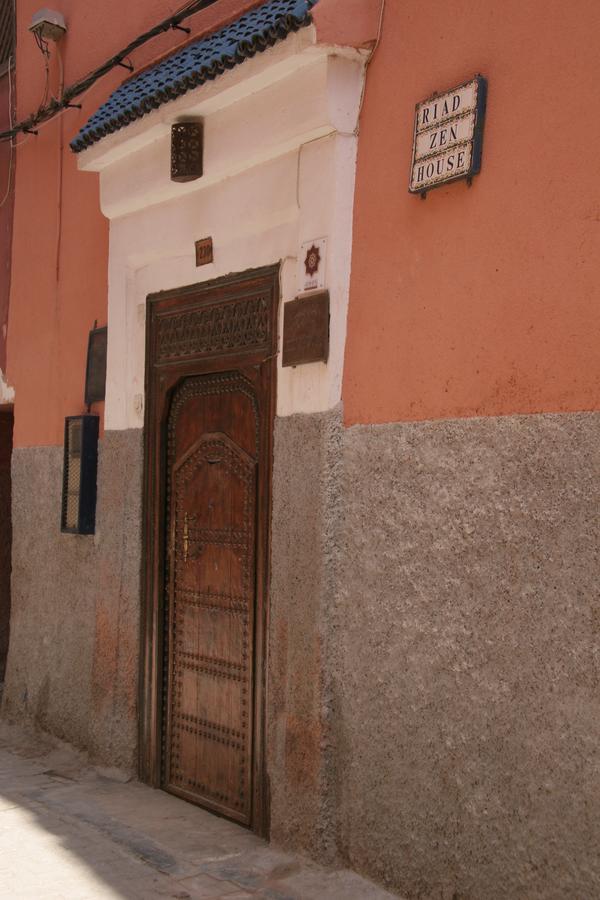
x=48 y=25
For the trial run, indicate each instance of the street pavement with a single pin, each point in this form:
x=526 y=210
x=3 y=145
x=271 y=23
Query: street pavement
x=72 y=832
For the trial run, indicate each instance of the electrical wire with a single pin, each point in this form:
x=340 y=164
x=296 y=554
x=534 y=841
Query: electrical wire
x=368 y=63
x=61 y=150
x=47 y=122
x=12 y=145
x=61 y=72
x=79 y=88
x=45 y=51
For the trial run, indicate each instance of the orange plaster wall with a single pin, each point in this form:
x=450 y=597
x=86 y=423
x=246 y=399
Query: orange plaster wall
x=6 y=211
x=481 y=301
x=60 y=246
x=347 y=23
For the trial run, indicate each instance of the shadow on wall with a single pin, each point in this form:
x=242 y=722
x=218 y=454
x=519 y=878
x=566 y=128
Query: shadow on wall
x=72 y=832
x=73 y=657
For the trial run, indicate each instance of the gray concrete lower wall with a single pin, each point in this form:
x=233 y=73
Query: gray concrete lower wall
x=304 y=556
x=458 y=669
x=73 y=657
x=434 y=652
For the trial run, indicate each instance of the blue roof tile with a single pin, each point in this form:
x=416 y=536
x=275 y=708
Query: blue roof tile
x=198 y=62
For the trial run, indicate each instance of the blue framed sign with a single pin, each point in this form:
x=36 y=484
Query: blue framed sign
x=448 y=136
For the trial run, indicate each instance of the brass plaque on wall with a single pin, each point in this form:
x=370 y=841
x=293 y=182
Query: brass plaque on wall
x=204 y=251
x=306 y=330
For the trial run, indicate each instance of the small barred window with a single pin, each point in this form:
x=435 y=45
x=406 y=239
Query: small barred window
x=7 y=32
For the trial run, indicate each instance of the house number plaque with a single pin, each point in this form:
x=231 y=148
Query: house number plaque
x=204 y=251
x=448 y=136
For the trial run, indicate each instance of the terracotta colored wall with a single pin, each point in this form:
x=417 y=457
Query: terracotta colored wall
x=60 y=251
x=6 y=428
x=480 y=301
x=6 y=210
x=347 y=23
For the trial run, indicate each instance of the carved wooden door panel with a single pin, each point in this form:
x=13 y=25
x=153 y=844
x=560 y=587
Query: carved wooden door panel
x=213 y=451
x=210 y=406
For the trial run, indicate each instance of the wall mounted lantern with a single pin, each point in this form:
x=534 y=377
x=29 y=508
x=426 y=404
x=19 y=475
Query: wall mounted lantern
x=186 y=151
x=48 y=25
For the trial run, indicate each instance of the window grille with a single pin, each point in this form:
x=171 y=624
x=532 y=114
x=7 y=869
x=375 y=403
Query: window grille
x=7 y=33
x=79 y=475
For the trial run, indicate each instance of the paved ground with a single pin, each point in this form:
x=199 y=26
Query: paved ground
x=72 y=832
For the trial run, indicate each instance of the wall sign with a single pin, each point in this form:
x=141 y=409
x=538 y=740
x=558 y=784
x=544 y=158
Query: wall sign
x=448 y=136
x=313 y=264
x=95 y=373
x=306 y=330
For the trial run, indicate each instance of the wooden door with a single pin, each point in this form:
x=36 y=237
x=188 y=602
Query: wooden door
x=210 y=396
x=212 y=465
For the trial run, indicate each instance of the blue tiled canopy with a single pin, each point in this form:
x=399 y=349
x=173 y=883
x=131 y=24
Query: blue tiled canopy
x=190 y=67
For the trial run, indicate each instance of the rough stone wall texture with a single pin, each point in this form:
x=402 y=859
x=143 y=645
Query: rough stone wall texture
x=114 y=687
x=72 y=664
x=458 y=696
x=305 y=504
x=434 y=643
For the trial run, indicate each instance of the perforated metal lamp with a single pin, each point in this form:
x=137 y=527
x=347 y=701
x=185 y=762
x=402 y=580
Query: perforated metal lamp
x=80 y=474
x=187 y=150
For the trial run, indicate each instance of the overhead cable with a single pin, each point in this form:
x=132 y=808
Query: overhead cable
x=71 y=93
